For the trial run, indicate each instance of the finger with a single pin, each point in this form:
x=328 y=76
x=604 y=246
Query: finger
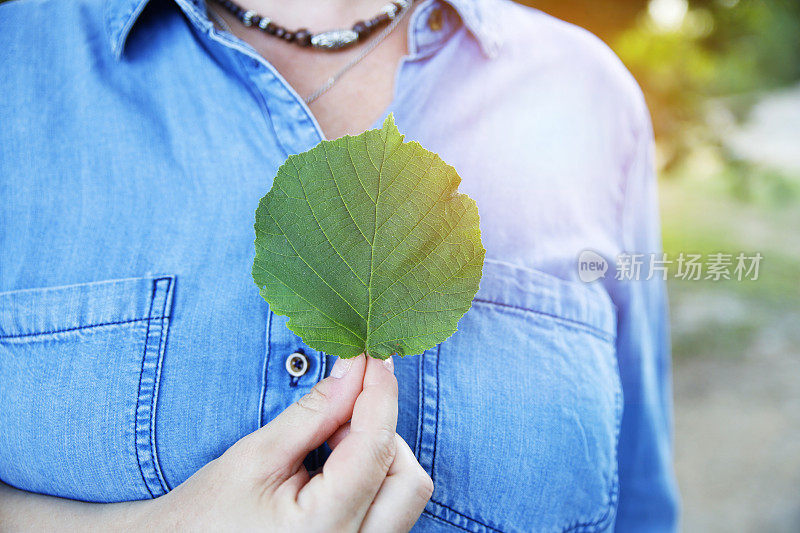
x=294 y=483
x=338 y=436
x=376 y=405
x=281 y=446
x=357 y=466
x=402 y=496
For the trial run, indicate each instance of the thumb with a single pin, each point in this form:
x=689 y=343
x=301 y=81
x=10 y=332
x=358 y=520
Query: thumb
x=284 y=442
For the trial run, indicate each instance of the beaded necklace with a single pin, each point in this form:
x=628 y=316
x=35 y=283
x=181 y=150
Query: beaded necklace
x=327 y=40
x=391 y=14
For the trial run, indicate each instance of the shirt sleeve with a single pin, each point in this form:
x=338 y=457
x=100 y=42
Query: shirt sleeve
x=648 y=498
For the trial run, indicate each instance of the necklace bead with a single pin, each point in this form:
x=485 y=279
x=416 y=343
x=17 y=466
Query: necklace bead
x=302 y=37
x=247 y=19
x=361 y=29
x=334 y=39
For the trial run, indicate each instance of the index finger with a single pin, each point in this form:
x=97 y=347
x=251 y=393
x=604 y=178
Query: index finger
x=355 y=470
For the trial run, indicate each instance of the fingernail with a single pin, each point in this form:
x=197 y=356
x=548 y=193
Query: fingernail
x=341 y=367
x=389 y=364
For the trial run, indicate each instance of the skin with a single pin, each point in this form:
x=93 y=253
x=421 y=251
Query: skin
x=360 y=97
x=371 y=481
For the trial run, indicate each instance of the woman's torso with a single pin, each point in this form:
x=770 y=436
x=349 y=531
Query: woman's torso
x=134 y=346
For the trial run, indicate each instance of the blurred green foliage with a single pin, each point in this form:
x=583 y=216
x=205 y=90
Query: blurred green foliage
x=703 y=65
x=731 y=49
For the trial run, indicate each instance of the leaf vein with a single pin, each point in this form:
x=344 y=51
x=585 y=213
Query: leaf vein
x=315 y=272
x=311 y=208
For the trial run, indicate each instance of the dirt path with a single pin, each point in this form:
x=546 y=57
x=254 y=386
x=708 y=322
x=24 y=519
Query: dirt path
x=770 y=135
x=737 y=425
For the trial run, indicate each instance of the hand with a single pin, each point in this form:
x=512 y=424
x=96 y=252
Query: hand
x=370 y=482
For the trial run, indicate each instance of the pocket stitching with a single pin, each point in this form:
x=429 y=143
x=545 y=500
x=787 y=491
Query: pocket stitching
x=605 y=516
x=607 y=513
x=428 y=411
x=462 y=515
x=421 y=399
x=440 y=519
x=139 y=396
x=66 y=330
x=436 y=423
x=150 y=429
x=162 y=333
x=448 y=522
x=435 y=442
x=574 y=324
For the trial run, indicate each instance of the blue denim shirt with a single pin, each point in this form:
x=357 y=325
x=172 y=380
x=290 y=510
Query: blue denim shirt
x=135 y=143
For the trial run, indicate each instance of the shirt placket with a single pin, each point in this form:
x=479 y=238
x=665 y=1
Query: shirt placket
x=291 y=368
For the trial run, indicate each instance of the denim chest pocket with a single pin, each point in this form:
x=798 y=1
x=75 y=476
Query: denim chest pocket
x=520 y=409
x=79 y=379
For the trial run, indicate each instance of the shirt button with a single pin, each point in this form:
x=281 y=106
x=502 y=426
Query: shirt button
x=435 y=20
x=297 y=364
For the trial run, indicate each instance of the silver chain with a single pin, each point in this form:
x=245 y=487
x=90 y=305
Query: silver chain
x=356 y=60
x=330 y=82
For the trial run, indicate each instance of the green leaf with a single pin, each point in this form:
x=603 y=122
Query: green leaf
x=366 y=245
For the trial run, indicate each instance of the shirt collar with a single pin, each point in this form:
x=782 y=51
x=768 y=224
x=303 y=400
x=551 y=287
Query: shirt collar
x=121 y=15
x=478 y=17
